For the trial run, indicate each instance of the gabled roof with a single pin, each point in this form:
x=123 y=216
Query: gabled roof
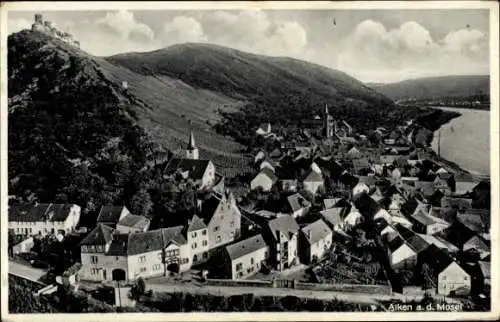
x=269 y=173
x=297 y=202
x=313 y=177
x=284 y=224
x=173 y=234
x=422 y=218
x=119 y=245
x=196 y=168
x=330 y=202
x=143 y=242
x=417 y=243
x=367 y=206
x=477 y=222
x=334 y=216
x=436 y=258
x=196 y=224
x=100 y=235
x=485 y=269
x=110 y=214
x=134 y=221
x=245 y=247
x=316 y=231
x=477 y=243
x=26 y=212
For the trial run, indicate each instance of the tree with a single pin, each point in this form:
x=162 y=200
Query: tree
x=138 y=289
x=141 y=203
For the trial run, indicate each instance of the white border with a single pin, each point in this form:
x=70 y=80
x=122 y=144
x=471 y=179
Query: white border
x=309 y=316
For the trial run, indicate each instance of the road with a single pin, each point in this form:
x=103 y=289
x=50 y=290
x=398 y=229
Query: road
x=363 y=298
x=27 y=272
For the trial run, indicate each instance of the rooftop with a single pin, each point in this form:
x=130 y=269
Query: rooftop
x=245 y=247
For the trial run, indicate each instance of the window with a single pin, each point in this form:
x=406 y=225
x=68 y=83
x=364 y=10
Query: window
x=204 y=232
x=142 y=269
x=251 y=261
x=218 y=239
x=184 y=261
x=94 y=271
x=156 y=267
x=194 y=245
x=193 y=235
x=160 y=255
x=205 y=243
x=239 y=266
x=205 y=255
x=117 y=258
x=216 y=228
x=93 y=259
x=142 y=259
x=465 y=278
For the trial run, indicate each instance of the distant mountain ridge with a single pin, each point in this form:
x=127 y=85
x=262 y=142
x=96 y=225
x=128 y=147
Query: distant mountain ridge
x=436 y=87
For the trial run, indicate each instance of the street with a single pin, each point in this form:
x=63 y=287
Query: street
x=27 y=272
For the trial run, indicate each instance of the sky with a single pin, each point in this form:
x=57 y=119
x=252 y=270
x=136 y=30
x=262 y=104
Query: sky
x=380 y=46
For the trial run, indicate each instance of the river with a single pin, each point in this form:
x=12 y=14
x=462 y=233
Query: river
x=465 y=140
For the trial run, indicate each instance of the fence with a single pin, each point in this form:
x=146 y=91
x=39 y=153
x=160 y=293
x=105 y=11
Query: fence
x=293 y=284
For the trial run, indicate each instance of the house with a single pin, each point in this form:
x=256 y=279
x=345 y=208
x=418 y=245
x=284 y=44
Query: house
x=476 y=220
x=388 y=159
x=360 y=188
x=263 y=129
x=276 y=154
x=478 y=245
x=282 y=237
x=353 y=153
x=314 y=241
x=297 y=205
x=446 y=273
x=222 y=218
x=132 y=223
x=445 y=182
x=313 y=182
x=440 y=243
x=111 y=215
x=199 y=244
x=361 y=165
x=426 y=224
x=353 y=217
x=265 y=179
x=245 y=257
x=460 y=204
x=330 y=202
x=202 y=172
x=401 y=254
x=463 y=187
x=289 y=184
x=31 y=219
x=269 y=164
x=261 y=155
x=334 y=217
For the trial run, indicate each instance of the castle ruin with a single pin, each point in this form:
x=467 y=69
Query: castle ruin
x=47 y=28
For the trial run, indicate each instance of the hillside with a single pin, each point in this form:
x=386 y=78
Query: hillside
x=436 y=87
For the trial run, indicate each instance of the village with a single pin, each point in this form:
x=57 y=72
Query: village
x=325 y=209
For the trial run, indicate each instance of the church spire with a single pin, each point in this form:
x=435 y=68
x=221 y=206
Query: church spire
x=192 y=150
x=192 y=144
x=326 y=109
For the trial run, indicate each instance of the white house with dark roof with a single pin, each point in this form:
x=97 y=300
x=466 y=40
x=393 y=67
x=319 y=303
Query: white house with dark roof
x=245 y=258
x=267 y=163
x=32 y=219
x=478 y=245
x=313 y=182
x=334 y=217
x=265 y=179
x=297 y=205
x=202 y=172
x=133 y=224
x=281 y=235
x=107 y=254
x=198 y=239
x=264 y=129
x=314 y=241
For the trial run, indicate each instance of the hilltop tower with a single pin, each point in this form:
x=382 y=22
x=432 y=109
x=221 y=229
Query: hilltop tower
x=328 y=126
x=192 y=151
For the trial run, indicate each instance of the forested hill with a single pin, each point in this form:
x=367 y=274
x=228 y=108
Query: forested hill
x=436 y=87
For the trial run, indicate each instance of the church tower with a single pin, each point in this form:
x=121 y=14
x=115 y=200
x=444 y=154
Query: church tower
x=328 y=126
x=192 y=150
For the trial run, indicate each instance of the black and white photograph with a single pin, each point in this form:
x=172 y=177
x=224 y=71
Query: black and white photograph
x=272 y=160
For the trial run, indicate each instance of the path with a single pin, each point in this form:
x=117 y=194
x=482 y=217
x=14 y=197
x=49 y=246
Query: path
x=26 y=272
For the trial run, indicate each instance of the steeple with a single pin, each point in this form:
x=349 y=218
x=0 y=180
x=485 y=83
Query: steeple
x=192 y=150
x=326 y=110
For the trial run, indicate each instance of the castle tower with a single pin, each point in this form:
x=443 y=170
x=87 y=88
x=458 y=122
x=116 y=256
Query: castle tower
x=192 y=150
x=328 y=126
